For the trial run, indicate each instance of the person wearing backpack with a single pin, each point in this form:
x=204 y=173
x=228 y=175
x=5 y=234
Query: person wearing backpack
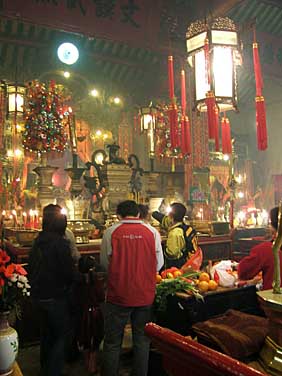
x=182 y=239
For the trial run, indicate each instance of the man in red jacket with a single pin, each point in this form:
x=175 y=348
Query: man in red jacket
x=132 y=254
x=261 y=258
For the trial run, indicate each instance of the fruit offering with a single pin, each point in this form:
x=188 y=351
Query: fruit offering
x=205 y=283
x=171 y=281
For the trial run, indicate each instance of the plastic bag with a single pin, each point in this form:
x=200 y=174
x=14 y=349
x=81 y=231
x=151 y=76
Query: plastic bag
x=222 y=273
x=195 y=261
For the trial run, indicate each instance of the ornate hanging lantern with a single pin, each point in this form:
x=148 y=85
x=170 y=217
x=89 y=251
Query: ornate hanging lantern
x=213 y=53
x=16 y=94
x=148 y=116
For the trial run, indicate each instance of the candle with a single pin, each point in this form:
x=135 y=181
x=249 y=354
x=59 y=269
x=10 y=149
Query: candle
x=24 y=219
x=14 y=214
x=35 y=219
x=31 y=218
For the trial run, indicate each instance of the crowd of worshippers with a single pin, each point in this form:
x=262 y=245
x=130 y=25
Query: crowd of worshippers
x=82 y=303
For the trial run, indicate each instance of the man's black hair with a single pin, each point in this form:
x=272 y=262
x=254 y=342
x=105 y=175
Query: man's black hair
x=127 y=208
x=178 y=211
x=274 y=217
x=143 y=211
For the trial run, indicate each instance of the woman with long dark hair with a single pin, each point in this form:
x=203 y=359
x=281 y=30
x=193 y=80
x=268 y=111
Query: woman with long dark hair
x=51 y=275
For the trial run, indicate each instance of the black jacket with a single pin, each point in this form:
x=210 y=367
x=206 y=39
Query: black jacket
x=50 y=266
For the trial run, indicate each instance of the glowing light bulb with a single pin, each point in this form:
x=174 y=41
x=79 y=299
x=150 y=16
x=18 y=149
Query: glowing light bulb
x=18 y=153
x=117 y=100
x=64 y=211
x=94 y=93
x=98 y=133
x=67 y=74
x=68 y=53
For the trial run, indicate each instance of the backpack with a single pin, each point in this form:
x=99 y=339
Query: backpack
x=191 y=239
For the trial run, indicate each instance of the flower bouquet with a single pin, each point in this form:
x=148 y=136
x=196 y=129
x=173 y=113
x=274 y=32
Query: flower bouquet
x=13 y=284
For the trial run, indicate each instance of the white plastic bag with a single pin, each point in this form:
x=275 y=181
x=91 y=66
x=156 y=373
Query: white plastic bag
x=222 y=273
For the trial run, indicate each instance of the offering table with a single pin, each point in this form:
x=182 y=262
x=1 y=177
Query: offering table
x=215 y=248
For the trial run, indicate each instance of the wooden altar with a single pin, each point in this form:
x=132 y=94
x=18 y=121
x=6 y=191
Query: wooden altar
x=215 y=248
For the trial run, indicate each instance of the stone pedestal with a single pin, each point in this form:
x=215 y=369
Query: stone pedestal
x=118 y=178
x=271 y=354
x=45 y=187
x=75 y=174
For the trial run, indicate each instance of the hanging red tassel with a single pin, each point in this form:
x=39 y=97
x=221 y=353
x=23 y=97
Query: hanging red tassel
x=172 y=111
x=257 y=70
x=187 y=137
x=211 y=111
x=216 y=129
x=173 y=125
x=260 y=103
x=226 y=136
x=261 y=123
x=170 y=78
x=183 y=92
x=185 y=124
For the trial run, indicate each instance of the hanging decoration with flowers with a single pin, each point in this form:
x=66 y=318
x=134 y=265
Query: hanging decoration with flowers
x=167 y=125
x=45 y=121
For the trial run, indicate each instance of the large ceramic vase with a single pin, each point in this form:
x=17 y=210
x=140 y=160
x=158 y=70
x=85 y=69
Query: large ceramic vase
x=8 y=345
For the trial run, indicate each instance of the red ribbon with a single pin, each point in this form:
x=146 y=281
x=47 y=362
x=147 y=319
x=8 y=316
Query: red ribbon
x=211 y=110
x=186 y=136
x=183 y=92
x=260 y=104
x=185 y=141
x=261 y=123
x=226 y=136
x=170 y=77
x=257 y=70
x=216 y=129
x=173 y=124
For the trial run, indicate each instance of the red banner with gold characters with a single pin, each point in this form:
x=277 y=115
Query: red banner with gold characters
x=135 y=21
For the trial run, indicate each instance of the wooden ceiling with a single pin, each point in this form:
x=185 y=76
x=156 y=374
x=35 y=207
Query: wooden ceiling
x=28 y=51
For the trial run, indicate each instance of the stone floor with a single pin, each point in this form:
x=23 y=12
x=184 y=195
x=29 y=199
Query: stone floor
x=28 y=360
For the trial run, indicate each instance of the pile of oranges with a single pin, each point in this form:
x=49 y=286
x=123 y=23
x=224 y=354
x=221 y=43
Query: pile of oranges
x=205 y=284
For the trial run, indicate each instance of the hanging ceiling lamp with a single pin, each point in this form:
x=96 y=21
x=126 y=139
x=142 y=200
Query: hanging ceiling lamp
x=148 y=118
x=213 y=53
x=16 y=94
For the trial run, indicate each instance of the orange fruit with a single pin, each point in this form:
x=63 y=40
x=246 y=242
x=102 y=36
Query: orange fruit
x=158 y=278
x=204 y=277
x=169 y=275
x=212 y=285
x=177 y=273
x=203 y=286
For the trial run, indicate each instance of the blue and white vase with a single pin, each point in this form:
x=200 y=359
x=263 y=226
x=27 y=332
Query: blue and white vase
x=9 y=344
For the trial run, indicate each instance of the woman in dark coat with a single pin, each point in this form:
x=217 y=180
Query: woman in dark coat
x=51 y=275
